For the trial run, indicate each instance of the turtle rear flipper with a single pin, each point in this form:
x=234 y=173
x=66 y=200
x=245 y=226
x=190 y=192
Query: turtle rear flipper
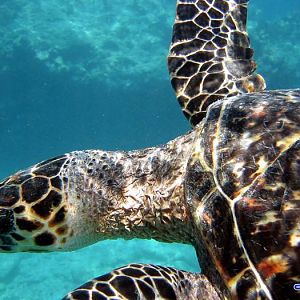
x=210 y=55
x=141 y=281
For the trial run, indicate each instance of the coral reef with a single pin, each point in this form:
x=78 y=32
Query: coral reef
x=90 y=39
x=103 y=40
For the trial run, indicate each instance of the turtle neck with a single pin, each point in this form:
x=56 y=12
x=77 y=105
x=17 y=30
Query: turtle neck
x=135 y=194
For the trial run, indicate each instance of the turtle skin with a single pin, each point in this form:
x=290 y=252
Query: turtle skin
x=243 y=191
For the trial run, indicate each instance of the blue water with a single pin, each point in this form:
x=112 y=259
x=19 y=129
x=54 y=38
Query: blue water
x=92 y=74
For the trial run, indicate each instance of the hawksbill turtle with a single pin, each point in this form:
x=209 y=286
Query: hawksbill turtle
x=230 y=186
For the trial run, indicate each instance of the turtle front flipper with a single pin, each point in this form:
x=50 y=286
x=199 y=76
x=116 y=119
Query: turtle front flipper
x=139 y=281
x=210 y=55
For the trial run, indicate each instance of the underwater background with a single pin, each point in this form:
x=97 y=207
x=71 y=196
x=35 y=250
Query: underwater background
x=91 y=74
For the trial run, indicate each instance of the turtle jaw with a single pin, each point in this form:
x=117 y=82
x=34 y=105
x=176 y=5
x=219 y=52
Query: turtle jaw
x=13 y=239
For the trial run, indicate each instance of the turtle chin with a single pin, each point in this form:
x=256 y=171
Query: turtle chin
x=11 y=238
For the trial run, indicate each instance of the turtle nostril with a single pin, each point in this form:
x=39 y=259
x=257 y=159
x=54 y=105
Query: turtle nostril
x=6 y=221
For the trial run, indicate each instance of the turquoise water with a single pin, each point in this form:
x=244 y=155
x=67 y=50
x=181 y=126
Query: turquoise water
x=92 y=74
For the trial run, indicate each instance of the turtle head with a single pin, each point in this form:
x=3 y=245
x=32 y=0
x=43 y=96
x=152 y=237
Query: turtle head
x=33 y=209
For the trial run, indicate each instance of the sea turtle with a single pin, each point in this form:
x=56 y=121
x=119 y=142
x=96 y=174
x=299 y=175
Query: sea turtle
x=230 y=187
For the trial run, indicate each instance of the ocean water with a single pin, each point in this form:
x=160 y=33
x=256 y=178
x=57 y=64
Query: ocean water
x=92 y=75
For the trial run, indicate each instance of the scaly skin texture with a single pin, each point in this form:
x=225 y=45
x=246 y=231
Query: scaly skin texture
x=86 y=196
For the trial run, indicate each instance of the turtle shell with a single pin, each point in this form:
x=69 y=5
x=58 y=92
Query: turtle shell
x=243 y=187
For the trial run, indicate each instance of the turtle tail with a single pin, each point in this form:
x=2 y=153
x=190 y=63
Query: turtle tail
x=210 y=56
